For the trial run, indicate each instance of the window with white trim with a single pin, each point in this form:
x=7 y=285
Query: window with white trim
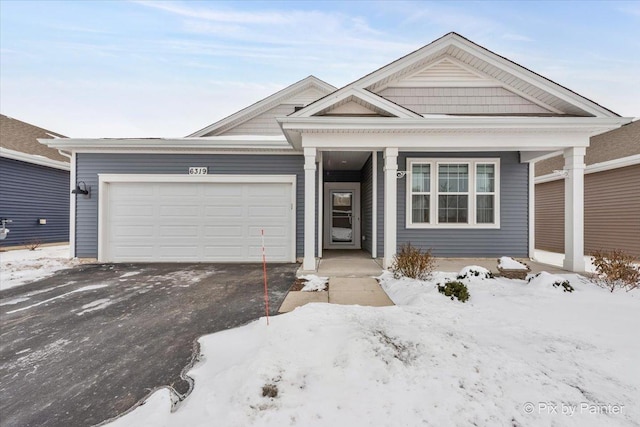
x=453 y=193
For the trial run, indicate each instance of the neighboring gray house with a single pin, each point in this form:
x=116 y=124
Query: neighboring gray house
x=436 y=149
x=34 y=186
x=612 y=195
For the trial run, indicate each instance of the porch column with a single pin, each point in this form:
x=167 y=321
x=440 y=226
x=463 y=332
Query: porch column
x=574 y=209
x=390 y=200
x=309 y=261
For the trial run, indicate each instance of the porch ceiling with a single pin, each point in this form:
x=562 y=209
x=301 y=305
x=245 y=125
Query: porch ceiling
x=344 y=160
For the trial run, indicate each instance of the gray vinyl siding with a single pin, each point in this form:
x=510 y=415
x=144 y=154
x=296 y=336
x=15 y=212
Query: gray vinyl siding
x=366 y=204
x=263 y=124
x=28 y=193
x=89 y=165
x=510 y=239
x=461 y=100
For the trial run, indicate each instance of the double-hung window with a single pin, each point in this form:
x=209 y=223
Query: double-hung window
x=453 y=193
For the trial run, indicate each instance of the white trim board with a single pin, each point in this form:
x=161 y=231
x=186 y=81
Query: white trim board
x=105 y=179
x=594 y=168
x=34 y=159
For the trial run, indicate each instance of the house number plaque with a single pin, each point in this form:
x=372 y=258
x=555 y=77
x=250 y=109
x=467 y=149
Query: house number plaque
x=198 y=170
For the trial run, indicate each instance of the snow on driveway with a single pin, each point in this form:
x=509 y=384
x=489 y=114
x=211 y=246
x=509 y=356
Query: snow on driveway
x=22 y=266
x=515 y=354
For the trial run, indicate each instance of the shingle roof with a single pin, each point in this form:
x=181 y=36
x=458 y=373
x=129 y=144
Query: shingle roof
x=20 y=136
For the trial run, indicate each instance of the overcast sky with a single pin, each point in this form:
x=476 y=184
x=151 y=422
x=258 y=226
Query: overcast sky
x=142 y=69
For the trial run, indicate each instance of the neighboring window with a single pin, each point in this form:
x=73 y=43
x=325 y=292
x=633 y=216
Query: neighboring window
x=453 y=193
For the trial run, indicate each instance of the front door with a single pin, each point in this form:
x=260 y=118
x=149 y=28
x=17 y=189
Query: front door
x=342 y=215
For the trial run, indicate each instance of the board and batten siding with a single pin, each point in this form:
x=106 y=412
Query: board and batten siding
x=366 y=204
x=31 y=192
x=461 y=100
x=611 y=212
x=511 y=239
x=89 y=165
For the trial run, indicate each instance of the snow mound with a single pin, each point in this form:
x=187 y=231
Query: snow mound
x=474 y=271
x=508 y=263
x=314 y=283
x=549 y=281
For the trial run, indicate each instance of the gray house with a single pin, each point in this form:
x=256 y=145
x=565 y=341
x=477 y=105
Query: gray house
x=34 y=186
x=436 y=149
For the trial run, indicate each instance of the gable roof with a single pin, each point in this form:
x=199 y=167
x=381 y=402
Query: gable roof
x=18 y=137
x=482 y=62
x=367 y=99
x=265 y=104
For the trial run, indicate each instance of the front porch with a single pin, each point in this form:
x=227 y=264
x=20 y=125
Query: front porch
x=360 y=200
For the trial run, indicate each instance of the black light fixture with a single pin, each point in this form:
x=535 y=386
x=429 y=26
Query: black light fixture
x=82 y=188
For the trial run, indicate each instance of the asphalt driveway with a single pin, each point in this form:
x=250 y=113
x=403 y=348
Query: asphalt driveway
x=85 y=345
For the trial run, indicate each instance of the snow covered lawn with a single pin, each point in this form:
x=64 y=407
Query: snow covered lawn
x=18 y=267
x=515 y=354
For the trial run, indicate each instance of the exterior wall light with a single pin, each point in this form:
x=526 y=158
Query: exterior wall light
x=82 y=188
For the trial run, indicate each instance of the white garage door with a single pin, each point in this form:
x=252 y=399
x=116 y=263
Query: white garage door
x=198 y=221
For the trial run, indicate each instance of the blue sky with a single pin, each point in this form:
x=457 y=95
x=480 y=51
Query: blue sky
x=137 y=68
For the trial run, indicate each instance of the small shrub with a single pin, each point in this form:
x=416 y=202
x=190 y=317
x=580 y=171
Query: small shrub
x=455 y=290
x=413 y=262
x=474 y=271
x=270 y=390
x=566 y=286
x=616 y=270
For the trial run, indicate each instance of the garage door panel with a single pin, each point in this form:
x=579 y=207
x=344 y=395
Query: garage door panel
x=270 y=231
x=168 y=231
x=223 y=231
x=199 y=221
x=177 y=190
x=224 y=211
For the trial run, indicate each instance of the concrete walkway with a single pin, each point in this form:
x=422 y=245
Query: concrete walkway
x=351 y=282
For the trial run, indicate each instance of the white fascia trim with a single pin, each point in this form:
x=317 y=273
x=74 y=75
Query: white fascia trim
x=239 y=143
x=594 y=168
x=592 y=124
x=105 y=179
x=34 y=159
x=364 y=95
x=266 y=104
x=433 y=192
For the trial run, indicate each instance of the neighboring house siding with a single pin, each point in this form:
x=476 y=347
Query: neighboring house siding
x=28 y=193
x=611 y=219
x=550 y=216
x=90 y=165
x=461 y=100
x=510 y=239
x=366 y=204
x=263 y=124
x=616 y=144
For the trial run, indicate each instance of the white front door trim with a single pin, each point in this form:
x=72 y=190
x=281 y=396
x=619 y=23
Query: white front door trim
x=105 y=179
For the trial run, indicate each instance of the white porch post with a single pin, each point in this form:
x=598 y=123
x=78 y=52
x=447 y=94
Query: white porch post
x=309 y=261
x=574 y=209
x=390 y=200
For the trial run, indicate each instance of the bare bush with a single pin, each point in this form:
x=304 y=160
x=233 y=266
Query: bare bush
x=616 y=270
x=34 y=244
x=413 y=262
